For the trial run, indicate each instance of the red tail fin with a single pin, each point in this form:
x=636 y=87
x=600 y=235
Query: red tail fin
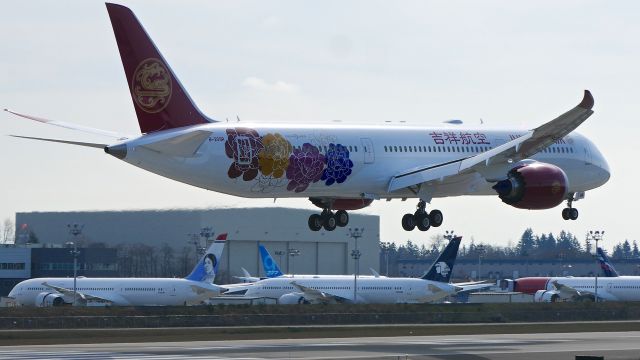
x=158 y=97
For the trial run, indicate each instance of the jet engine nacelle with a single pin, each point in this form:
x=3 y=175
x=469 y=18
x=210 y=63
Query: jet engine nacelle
x=546 y=296
x=47 y=299
x=292 y=299
x=533 y=186
x=341 y=204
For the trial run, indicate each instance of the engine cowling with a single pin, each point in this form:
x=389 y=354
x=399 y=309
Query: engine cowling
x=341 y=204
x=546 y=296
x=47 y=299
x=533 y=186
x=292 y=299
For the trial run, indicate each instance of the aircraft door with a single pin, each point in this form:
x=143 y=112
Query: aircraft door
x=367 y=146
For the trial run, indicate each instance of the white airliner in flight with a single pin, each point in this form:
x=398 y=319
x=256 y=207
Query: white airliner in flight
x=289 y=289
x=192 y=290
x=341 y=167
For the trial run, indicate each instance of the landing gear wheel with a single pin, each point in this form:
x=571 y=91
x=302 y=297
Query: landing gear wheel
x=573 y=213
x=422 y=221
x=315 y=222
x=330 y=221
x=435 y=216
x=408 y=222
x=342 y=218
x=565 y=213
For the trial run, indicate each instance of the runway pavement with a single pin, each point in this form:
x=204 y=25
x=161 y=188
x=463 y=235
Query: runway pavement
x=551 y=346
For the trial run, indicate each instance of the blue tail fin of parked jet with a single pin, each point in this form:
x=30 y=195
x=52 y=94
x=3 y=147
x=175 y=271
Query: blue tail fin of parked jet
x=271 y=268
x=605 y=264
x=207 y=267
x=443 y=266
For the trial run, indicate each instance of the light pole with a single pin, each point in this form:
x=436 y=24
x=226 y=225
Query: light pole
x=480 y=249
x=449 y=234
x=206 y=233
x=596 y=236
x=75 y=230
x=293 y=253
x=355 y=233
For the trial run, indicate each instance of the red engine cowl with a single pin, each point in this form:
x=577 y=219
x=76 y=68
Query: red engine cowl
x=533 y=186
x=341 y=204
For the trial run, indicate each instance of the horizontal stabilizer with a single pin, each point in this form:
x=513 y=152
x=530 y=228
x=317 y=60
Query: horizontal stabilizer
x=71 y=126
x=184 y=145
x=86 y=144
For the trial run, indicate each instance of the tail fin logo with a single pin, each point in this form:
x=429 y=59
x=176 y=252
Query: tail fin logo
x=210 y=263
x=151 y=85
x=442 y=268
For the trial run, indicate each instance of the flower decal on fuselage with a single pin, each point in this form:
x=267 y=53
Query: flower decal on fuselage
x=338 y=165
x=243 y=146
x=274 y=157
x=305 y=167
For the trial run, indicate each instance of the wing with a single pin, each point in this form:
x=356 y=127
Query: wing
x=319 y=296
x=79 y=295
x=513 y=151
x=568 y=291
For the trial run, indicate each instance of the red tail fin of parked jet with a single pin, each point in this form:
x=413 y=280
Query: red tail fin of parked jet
x=158 y=97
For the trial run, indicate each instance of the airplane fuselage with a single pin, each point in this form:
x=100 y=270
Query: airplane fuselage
x=369 y=290
x=119 y=291
x=258 y=160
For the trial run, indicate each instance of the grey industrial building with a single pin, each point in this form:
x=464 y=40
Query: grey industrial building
x=279 y=229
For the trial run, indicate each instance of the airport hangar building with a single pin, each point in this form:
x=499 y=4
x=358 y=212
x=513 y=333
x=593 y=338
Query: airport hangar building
x=278 y=229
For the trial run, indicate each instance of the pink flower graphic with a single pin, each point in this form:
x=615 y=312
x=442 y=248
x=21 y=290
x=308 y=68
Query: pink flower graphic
x=305 y=166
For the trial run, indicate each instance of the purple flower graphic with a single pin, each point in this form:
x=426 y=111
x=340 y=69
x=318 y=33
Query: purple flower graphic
x=338 y=165
x=305 y=167
x=243 y=146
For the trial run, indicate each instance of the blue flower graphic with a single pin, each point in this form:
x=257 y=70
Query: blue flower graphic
x=338 y=165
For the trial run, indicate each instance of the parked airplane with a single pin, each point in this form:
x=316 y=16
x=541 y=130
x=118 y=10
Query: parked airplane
x=606 y=266
x=271 y=269
x=342 y=167
x=192 y=290
x=434 y=285
x=611 y=287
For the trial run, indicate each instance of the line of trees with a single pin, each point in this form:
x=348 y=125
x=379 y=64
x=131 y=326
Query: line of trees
x=531 y=246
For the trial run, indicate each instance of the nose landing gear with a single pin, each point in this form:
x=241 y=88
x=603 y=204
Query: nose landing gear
x=422 y=219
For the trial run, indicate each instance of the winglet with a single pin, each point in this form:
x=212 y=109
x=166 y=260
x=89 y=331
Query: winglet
x=587 y=101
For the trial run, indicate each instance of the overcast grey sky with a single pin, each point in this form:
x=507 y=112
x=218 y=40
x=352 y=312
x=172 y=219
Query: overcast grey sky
x=509 y=63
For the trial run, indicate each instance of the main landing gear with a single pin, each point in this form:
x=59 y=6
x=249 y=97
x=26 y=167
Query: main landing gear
x=422 y=219
x=329 y=220
x=570 y=213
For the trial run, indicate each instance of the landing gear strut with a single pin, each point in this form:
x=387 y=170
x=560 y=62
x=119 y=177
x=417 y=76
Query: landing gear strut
x=422 y=219
x=328 y=220
x=570 y=213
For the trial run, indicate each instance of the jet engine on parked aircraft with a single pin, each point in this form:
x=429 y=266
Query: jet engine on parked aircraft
x=546 y=296
x=46 y=299
x=292 y=299
x=532 y=186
